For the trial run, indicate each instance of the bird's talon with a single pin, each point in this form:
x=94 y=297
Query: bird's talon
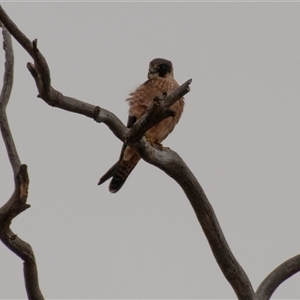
x=160 y=146
x=151 y=141
x=154 y=143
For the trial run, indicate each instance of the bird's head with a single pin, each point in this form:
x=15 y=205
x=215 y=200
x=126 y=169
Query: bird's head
x=160 y=67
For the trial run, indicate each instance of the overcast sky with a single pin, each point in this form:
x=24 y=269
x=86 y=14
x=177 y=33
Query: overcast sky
x=239 y=134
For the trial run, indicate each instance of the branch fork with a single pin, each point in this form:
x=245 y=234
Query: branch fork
x=167 y=160
x=18 y=201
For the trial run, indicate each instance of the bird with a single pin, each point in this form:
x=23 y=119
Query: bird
x=160 y=82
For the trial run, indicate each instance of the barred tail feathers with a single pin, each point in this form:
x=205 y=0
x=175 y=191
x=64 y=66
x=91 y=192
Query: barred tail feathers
x=122 y=171
x=110 y=173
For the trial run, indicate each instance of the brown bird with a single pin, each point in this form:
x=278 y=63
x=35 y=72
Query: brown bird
x=160 y=81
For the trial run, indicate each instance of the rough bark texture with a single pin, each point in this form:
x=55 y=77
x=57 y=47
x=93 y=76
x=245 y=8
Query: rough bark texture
x=17 y=202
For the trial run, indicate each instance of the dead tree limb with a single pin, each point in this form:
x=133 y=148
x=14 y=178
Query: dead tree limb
x=17 y=202
x=166 y=159
x=278 y=276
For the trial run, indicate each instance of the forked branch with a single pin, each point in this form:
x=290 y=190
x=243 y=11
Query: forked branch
x=166 y=159
x=17 y=202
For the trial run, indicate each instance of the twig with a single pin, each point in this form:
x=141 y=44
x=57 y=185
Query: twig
x=30 y=47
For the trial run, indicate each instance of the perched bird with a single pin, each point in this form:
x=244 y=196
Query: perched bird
x=160 y=81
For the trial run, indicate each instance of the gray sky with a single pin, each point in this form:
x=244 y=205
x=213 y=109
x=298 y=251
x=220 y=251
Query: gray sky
x=239 y=134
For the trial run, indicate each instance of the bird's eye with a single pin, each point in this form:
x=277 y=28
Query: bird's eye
x=161 y=67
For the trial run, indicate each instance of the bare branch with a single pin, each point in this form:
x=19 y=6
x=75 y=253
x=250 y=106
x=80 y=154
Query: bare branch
x=30 y=47
x=41 y=74
x=167 y=160
x=277 y=276
x=172 y=164
x=15 y=205
x=157 y=111
x=17 y=202
x=4 y=97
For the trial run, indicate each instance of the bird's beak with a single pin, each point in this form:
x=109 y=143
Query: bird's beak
x=151 y=71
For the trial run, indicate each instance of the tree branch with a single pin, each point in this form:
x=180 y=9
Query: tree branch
x=172 y=164
x=41 y=74
x=4 y=97
x=167 y=160
x=277 y=276
x=30 y=47
x=156 y=112
x=17 y=202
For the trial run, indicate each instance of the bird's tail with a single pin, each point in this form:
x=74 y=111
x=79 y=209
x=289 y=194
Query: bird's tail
x=119 y=173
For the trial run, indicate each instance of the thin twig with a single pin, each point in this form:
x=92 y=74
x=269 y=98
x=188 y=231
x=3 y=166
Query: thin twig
x=30 y=47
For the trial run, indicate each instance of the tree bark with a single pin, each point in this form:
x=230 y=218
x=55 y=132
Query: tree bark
x=165 y=159
x=278 y=276
x=17 y=202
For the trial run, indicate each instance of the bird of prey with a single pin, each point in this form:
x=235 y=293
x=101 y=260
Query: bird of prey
x=160 y=81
